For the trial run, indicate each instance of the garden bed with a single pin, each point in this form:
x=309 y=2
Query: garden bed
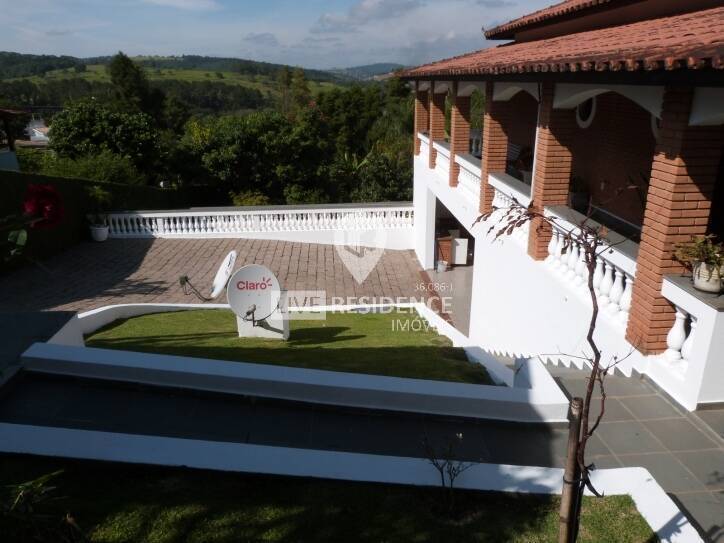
x=369 y=343
x=114 y=503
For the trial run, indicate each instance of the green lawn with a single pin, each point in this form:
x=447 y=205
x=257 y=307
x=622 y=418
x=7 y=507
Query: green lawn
x=117 y=503
x=351 y=342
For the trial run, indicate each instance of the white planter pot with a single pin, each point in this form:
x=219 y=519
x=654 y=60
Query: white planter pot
x=707 y=278
x=99 y=233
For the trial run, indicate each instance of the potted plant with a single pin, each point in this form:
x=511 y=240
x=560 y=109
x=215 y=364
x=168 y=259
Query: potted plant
x=98 y=218
x=705 y=258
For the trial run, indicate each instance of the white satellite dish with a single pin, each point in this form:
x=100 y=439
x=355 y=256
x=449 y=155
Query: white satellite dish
x=222 y=276
x=253 y=293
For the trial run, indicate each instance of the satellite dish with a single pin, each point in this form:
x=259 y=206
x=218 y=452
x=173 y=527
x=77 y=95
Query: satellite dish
x=253 y=292
x=222 y=276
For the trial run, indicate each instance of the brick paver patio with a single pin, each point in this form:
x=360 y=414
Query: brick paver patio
x=147 y=271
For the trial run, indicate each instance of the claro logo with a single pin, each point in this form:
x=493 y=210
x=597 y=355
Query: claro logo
x=264 y=284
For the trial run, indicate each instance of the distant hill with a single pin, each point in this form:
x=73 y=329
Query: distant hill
x=22 y=65
x=16 y=65
x=368 y=71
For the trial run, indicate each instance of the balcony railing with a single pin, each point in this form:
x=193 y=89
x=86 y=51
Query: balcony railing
x=424 y=144
x=615 y=271
x=469 y=176
x=442 y=162
x=238 y=221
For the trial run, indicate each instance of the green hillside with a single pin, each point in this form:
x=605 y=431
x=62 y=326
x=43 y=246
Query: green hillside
x=96 y=73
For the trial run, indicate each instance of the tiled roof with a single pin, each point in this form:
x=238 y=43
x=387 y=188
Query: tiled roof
x=552 y=12
x=692 y=40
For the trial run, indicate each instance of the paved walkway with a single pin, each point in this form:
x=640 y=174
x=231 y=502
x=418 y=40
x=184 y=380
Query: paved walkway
x=643 y=428
x=91 y=275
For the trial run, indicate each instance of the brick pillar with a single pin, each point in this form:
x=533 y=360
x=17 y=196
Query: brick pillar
x=495 y=145
x=437 y=121
x=459 y=131
x=678 y=205
x=552 y=167
x=422 y=116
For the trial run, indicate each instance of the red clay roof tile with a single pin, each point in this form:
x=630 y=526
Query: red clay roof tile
x=691 y=40
x=557 y=10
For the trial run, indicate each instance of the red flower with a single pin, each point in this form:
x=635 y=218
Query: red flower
x=43 y=202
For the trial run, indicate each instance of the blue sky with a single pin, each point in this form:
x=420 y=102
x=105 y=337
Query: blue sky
x=312 y=33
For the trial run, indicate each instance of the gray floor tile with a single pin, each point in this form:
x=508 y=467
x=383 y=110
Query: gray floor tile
x=614 y=410
x=679 y=435
x=575 y=387
x=667 y=471
x=708 y=466
x=628 y=437
x=621 y=387
x=707 y=512
x=650 y=407
x=714 y=418
x=604 y=461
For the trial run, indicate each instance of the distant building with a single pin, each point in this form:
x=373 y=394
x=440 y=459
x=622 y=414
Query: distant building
x=37 y=132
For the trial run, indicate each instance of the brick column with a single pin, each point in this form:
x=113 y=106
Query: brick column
x=678 y=205
x=459 y=131
x=422 y=116
x=495 y=145
x=437 y=120
x=552 y=167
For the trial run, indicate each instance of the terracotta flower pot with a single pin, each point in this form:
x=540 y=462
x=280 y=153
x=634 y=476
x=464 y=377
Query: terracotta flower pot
x=707 y=277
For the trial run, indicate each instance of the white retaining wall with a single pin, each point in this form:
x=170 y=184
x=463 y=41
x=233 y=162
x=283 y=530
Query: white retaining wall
x=532 y=395
x=653 y=503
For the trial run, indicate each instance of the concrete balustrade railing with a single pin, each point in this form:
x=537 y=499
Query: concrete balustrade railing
x=442 y=162
x=239 y=222
x=469 y=177
x=690 y=369
x=424 y=144
x=615 y=271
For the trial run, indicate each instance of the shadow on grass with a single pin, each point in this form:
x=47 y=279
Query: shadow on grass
x=123 y=503
x=424 y=362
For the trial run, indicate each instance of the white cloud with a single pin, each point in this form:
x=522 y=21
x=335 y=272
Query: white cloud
x=193 y=5
x=363 y=12
x=266 y=39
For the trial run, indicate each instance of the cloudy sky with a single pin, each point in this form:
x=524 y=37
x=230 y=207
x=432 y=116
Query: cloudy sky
x=312 y=33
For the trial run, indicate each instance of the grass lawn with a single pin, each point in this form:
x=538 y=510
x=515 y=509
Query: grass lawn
x=350 y=342
x=114 y=503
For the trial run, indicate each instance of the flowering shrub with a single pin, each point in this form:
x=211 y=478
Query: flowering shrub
x=42 y=208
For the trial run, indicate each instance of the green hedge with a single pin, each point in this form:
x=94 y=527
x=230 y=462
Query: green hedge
x=76 y=203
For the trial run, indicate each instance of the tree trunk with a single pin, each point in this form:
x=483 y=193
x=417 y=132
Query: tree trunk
x=569 y=496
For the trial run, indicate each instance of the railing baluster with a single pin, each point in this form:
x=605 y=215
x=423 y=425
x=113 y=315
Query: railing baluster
x=677 y=336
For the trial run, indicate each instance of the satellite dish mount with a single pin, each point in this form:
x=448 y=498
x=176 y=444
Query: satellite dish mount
x=254 y=295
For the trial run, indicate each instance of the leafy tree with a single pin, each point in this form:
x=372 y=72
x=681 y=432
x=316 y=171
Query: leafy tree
x=249 y=198
x=300 y=93
x=284 y=83
x=88 y=127
x=102 y=166
x=380 y=180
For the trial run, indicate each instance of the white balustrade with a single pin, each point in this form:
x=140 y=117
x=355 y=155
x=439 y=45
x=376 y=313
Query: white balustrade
x=613 y=275
x=469 y=178
x=676 y=338
x=442 y=160
x=313 y=218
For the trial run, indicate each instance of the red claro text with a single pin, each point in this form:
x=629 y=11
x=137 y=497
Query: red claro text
x=264 y=284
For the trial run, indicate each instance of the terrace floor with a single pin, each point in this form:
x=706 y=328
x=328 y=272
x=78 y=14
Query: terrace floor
x=92 y=275
x=684 y=451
